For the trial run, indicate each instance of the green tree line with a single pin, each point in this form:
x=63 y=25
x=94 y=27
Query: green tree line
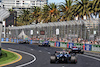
x=65 y=11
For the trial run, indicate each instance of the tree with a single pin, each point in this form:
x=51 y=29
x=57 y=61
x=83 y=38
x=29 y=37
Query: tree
x=54 y=13
x=45 y=14
x=25 y=16
x=95 y=7
x=66 y=9
x=36 y=14
x=82 y=8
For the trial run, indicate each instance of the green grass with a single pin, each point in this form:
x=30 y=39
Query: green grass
x=7 y=57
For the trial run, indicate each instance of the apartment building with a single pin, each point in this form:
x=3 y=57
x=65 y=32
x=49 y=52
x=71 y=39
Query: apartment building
x=17 y=4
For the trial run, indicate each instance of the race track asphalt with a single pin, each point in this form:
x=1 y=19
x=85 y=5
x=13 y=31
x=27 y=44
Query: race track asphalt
x=42 y=55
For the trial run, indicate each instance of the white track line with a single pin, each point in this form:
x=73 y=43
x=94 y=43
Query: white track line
x=48 y=52
x=31 y=49
x=40 y=51
x=24 y=53
x=90 y=57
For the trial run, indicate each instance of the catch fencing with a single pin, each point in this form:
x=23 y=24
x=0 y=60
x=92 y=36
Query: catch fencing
x=86 y=29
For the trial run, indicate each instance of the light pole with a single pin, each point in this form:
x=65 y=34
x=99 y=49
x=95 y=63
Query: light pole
x=4 y=14
x=4 y=28
x=0 y=35
x=45 y=35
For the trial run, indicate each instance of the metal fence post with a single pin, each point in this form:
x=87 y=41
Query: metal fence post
x=77 y=29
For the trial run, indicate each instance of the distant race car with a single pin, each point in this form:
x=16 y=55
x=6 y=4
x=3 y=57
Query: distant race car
x=75 y=49
x=24 y=42
x=63 y=56
x=45 y=43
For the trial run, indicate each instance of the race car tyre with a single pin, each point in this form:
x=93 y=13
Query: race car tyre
x=73 y=59
x=49 y=45
x=19 y=43
x=52 y=59
x=39 y=45
x=82 y=52
x=75 y=62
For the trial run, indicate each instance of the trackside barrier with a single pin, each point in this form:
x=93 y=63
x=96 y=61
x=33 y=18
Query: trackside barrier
x=71 y=45
x=35 y=42
x=78 y=45
x=7 y=39
x=2 y=39
x=63 y=44
x=96 y=48
x=11 y=40
x=15 y=40
x=40 y=41
x=30 y=41
x=67 y=45
x=19 y=40
x=88 y=47
x=51 y=43
x=57 y=44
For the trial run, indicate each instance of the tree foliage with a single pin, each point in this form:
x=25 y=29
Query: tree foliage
x=65 y=11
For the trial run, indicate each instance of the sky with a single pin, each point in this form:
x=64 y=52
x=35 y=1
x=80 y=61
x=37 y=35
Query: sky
x=56 y=1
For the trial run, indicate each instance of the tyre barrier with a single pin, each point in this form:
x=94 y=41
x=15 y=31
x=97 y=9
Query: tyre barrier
x=17 y=40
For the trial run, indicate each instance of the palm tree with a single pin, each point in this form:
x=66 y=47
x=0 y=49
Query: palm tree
x=54 y=13
x=66 y=9
x=82 y=8
x=36 y=14
x=24 y=18
x=45 y=14
x=95 y=6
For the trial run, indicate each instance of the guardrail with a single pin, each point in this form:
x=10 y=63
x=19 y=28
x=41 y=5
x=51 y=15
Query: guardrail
x=87 y=47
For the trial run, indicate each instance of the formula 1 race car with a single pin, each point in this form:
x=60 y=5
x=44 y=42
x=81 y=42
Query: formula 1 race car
x=24 y=42
x=63 y=56
x=45 y=43
x=75 y=49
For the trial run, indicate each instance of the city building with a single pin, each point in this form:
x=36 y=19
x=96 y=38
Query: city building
x=18 y=5
x=23 y=3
